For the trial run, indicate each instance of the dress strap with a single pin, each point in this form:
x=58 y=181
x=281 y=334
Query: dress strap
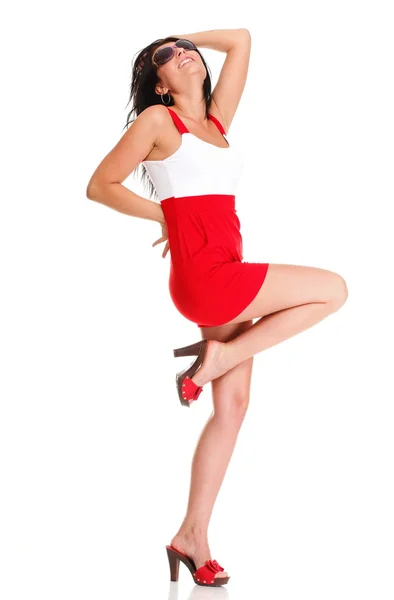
x=182 y=127
x=179 y=124
x=217 y=123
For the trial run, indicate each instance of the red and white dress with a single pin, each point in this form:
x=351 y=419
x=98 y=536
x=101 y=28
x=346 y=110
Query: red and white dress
x=209 y=282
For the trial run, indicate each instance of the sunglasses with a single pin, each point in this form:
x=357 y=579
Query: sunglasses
x=165 y=54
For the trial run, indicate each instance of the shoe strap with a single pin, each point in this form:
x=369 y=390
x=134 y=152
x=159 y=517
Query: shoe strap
x=207 y=572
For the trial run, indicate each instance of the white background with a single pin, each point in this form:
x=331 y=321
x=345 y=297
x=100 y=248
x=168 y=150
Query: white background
x=95 y=448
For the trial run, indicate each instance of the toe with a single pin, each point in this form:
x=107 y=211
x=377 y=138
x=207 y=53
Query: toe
x=221 y=574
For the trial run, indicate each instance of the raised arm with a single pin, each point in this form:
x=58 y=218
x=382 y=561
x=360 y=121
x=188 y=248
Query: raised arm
x=236 y=43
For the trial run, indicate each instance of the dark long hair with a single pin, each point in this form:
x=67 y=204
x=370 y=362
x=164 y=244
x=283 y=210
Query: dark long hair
x=142 y=94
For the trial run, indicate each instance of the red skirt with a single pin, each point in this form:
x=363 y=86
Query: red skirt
x=209 y=283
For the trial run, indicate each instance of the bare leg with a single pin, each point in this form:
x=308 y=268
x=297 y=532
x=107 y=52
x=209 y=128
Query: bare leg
x=292 y=299
x=215 y=447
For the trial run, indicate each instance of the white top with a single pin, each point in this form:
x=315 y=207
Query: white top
x=197 y=167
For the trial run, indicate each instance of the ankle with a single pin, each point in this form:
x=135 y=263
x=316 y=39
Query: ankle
x=193 y=532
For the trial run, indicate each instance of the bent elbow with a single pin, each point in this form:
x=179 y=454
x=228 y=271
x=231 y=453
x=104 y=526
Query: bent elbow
x=91 y=191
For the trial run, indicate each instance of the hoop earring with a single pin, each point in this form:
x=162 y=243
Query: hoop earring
x=166 y=103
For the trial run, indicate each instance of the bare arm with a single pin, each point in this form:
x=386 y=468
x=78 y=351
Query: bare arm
x=231 y=82
x=105 y=185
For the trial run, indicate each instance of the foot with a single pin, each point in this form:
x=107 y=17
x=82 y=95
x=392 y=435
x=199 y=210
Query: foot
x=195 y=549
x=214 y=365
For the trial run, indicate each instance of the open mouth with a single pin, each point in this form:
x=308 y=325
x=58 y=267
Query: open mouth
x=185 y=61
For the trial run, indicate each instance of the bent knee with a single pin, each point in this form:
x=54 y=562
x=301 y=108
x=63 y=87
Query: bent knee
x=338 y=291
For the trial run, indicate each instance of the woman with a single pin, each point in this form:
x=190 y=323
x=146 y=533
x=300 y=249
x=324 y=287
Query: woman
x=194 y=171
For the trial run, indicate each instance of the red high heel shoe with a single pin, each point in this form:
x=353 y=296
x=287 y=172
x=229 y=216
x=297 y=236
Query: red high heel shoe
x=188 y=391
x=205 y=575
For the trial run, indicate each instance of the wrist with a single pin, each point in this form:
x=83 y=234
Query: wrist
x=161 y=218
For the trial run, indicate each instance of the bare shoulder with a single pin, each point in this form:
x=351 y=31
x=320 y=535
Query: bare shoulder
x=166 y=136
x=137 y=143
x=155 y=114
x=156 y=119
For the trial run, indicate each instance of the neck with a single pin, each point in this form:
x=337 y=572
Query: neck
x=191 y=103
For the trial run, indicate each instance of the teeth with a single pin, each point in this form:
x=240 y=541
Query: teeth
x=185 y=61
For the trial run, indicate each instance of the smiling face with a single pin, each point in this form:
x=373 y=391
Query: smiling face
x=175 y=73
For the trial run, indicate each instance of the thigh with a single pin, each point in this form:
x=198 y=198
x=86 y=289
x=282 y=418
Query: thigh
x=231 y=390
x=286 y=286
